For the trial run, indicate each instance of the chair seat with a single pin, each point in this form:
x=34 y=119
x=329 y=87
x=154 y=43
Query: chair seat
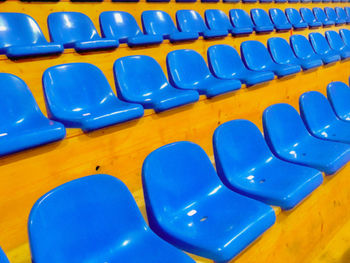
x=282 y=70
x=345 y=52
x=95 y=45
x=254 y=77
x=300 y=25
x=214 y=33
x=174 y=98
x=309 y=63
x=340 y=22
x=183 y=36
x=330 y=57
x=264 y=29
x=328 y=23
x=315 y=24
x=33 y=50
x=141 y=40
x=242 y=30
x=283 y=27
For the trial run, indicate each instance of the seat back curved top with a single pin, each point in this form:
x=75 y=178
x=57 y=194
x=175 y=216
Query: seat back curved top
x=261 y=20
x=322 y=17
x=321 y=46
x=300 y=146
x=181 y=178
x=309 y=17
x=241 y=21
x=22 y=123
x=281 y=51
x=79 y=95
x=20 y=35
x=332 y=15
x=140 y=79
x=295 y=18
x=217 y=20
x=302 y=48
x=338 y=94
x=76 y=30
x=245 y=164
x=279 y=19
x=345 y=35
x=337 y=43
x=342 y=14
x=3 y=257
x=100 y=223
x=188 y=70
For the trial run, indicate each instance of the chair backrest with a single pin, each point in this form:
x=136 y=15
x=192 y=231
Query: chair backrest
x=280 y=50
x=301 y=46
x=75 y=88
x=255 y=55
x=338 y=94
x=260 y=17
x=330 y=12
x=19 y=29
x=190 y=21
x=278 y=17
x=334 y=40
x=84 y=218
x=320 y=14
x=137 y=76
x=119 y=25
x=3 y=258
x=341 y=13
x=319 y=43
x=224 y=61
x=240 y=18
x=69 y=27
x=217 y=19
x=307 y=15
x=347 y=10
x=294 y=16
x=345 y=35
x=175 y=176
x=157 y=22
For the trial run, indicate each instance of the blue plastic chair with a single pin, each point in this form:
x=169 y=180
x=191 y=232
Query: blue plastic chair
x=123 y=27
x=21 y=36
x=322 y=17
x=282 y=53
x=187 y=70
x=342 y=14
x=295 y=18
x=76 y=30
x=246 y=165
x=279 y=19
x=261 y=20
x=338 y=94
x=217 y=20
x=156 y=22
x=320 y=118
x=79 y=96
x=100 y=223
x=140 y=79
x=256 y=57
x=304 y=51
x=321 y=47
x=309 y=18
x=241 y=21
x=3 y=258
x=332 y=15
x=345 y=35
x=225 y=62
x=336 y=42
x=290 y=140
x=22 y=124
x=189 y=207
x=191 y=21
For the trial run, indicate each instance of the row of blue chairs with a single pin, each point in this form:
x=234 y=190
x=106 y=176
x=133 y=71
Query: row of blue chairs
x=78 y=95
x=21 y=36
x=190 y=205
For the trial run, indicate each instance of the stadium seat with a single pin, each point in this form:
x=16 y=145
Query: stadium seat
x=256 y=57
x=188 y=70
x=246 y=165
x=338 y=94
x=332 y=15
x=225 y=63
x=320 y=119
x=140 y=79
x=336 y=42
x=279 y=19
x=202 y=216
x=345 y=35
x=100 y=223
x=347 y=10
x=321 y=47
x=191 y=21
x=79 y=96
x=304 y=51
x=261 y=20
x=300 y=146
x=218 y=20
x=322 y=17
x=156 y=22
x=309 y=18
x=23 y=125
x=123 y=27
x=21 y=36
x=282 y=53
x=241 y=21
x=76 y=30
x=295 y=18
x=342 y=14
x=3 y=258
